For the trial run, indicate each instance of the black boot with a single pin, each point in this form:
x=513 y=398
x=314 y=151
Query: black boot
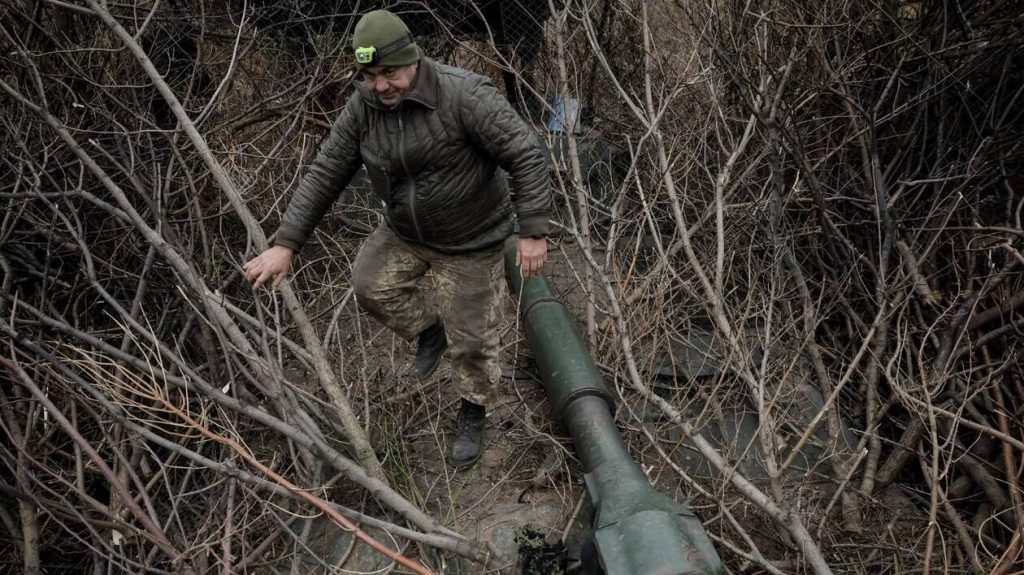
x=430 y=345
x=469 y=434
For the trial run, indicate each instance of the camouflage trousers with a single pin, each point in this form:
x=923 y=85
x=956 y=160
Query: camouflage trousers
x=469 y=292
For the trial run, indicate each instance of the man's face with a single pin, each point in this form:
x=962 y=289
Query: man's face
x=389 y=84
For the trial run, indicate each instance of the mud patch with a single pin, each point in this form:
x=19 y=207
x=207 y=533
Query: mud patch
x=539 y=555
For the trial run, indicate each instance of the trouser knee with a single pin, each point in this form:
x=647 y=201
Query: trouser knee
x=366 y=291
x=396 y=303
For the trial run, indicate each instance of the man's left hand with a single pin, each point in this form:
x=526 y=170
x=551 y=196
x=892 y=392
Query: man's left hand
x=531 y=254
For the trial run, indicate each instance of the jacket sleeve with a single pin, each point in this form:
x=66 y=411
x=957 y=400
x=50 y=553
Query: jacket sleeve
x=335 y=164
x=494 y=125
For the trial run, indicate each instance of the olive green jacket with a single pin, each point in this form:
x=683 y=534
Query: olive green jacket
x=432 y=160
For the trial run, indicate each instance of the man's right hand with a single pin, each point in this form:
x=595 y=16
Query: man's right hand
x=269 y=267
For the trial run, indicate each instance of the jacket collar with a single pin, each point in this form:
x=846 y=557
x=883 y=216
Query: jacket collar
x=423 y=90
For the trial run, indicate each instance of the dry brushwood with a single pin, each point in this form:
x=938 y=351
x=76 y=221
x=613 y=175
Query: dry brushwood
x=830 y=192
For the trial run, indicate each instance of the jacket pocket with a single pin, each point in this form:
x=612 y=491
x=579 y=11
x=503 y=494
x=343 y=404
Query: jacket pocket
x=377 y=172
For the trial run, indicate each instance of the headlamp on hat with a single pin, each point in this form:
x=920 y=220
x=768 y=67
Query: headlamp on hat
x=366 y=55
x=371 y=56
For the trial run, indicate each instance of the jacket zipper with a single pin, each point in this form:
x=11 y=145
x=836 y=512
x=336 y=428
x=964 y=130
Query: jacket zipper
x=412 y=183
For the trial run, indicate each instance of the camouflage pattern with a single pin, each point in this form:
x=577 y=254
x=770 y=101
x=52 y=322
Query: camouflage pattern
x=469 y=292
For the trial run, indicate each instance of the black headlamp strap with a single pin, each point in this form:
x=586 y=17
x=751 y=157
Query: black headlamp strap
x=393 y=47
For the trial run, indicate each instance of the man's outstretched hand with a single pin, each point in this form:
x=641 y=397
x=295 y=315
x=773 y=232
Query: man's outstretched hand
x=531 y=254
x=270 y=267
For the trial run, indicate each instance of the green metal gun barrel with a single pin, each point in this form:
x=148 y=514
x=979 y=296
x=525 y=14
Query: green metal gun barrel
x=636 y=531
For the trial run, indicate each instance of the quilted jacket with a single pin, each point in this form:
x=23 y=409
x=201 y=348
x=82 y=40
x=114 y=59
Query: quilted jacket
x=432 y=160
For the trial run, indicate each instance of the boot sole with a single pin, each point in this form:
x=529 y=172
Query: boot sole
x=465 y=464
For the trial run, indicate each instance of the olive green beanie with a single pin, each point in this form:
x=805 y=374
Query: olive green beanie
x=379 y=29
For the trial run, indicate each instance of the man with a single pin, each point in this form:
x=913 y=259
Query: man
x=431 y=137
